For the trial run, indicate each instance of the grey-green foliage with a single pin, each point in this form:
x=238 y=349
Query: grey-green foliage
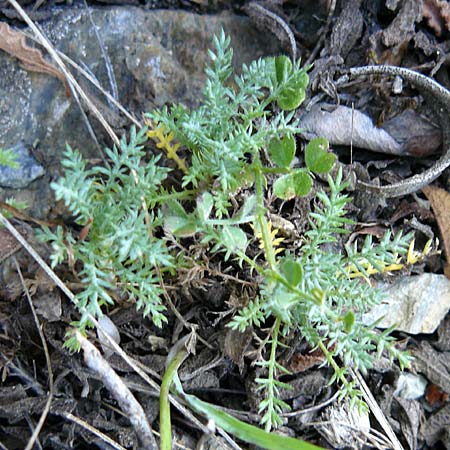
x=118 y=256
x=317 y=296
x=234 y=122
x=242 y=134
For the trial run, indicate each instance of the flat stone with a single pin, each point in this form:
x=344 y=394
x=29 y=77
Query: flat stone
x=415 y=304
x=156 y=57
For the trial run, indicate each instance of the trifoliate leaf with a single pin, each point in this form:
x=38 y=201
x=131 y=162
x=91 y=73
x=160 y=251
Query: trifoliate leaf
x=296 y=183
x=317 y=158
x=284 y=187
x=292 y=271
x=282 y=151
x=302 y=182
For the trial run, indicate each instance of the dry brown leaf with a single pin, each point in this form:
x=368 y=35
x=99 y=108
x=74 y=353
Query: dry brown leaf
x=236 y=343
x=440 y=202
x=301 y=362
x=13 y=42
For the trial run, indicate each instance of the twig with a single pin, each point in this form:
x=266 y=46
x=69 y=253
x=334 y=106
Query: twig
x=92 y=80
x=46 y=410
x=134 y=411
x=109 y=69
x=376 y=410
x=442 y=99
x=274 y=22
x=312 y=408
x=21 y=373
x=92 y=430
x=70 y=78
x=375 y=437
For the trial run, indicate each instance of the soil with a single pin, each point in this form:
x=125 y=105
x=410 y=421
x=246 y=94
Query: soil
x=409 y=33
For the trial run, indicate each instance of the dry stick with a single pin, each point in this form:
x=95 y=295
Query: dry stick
x=442 y=97
x=90 y=78
x=109 y=69
x=95 y=361
x=111 y=341
x=20 y=373
x=274 y=22
x=46 y=410
x=376 y=439
x=376 y=410
x=299 y=412
x=93 y=430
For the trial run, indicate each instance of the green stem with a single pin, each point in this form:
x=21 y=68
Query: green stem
x=271 y=375
x=164 y=403
x=333 y=364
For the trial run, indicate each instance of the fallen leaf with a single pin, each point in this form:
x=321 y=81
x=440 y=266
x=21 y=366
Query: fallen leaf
x=48 y=305
x=435 y=427
x=341 y=126
x=411 y=416
x=107 y=327
x=13 y=42
x=235 y=345
x=435 y=396
x=440 y=202
x=301 y=362
x=408 y=133
x=433 y=364
x=8 y=244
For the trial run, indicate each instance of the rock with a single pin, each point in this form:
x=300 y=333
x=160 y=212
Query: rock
x=156 y=57
x=415 y=304
x=410 y=386
x=27 y=171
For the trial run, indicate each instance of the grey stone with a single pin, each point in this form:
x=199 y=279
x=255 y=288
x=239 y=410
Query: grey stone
x=156 y=57
x=27 y=171
x=415 y=304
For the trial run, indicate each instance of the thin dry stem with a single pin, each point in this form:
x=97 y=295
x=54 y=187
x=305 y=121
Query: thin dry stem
x=128 y=403
x=46 y=410
x=93 y=430
x=376 y=410
x=62 y=67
